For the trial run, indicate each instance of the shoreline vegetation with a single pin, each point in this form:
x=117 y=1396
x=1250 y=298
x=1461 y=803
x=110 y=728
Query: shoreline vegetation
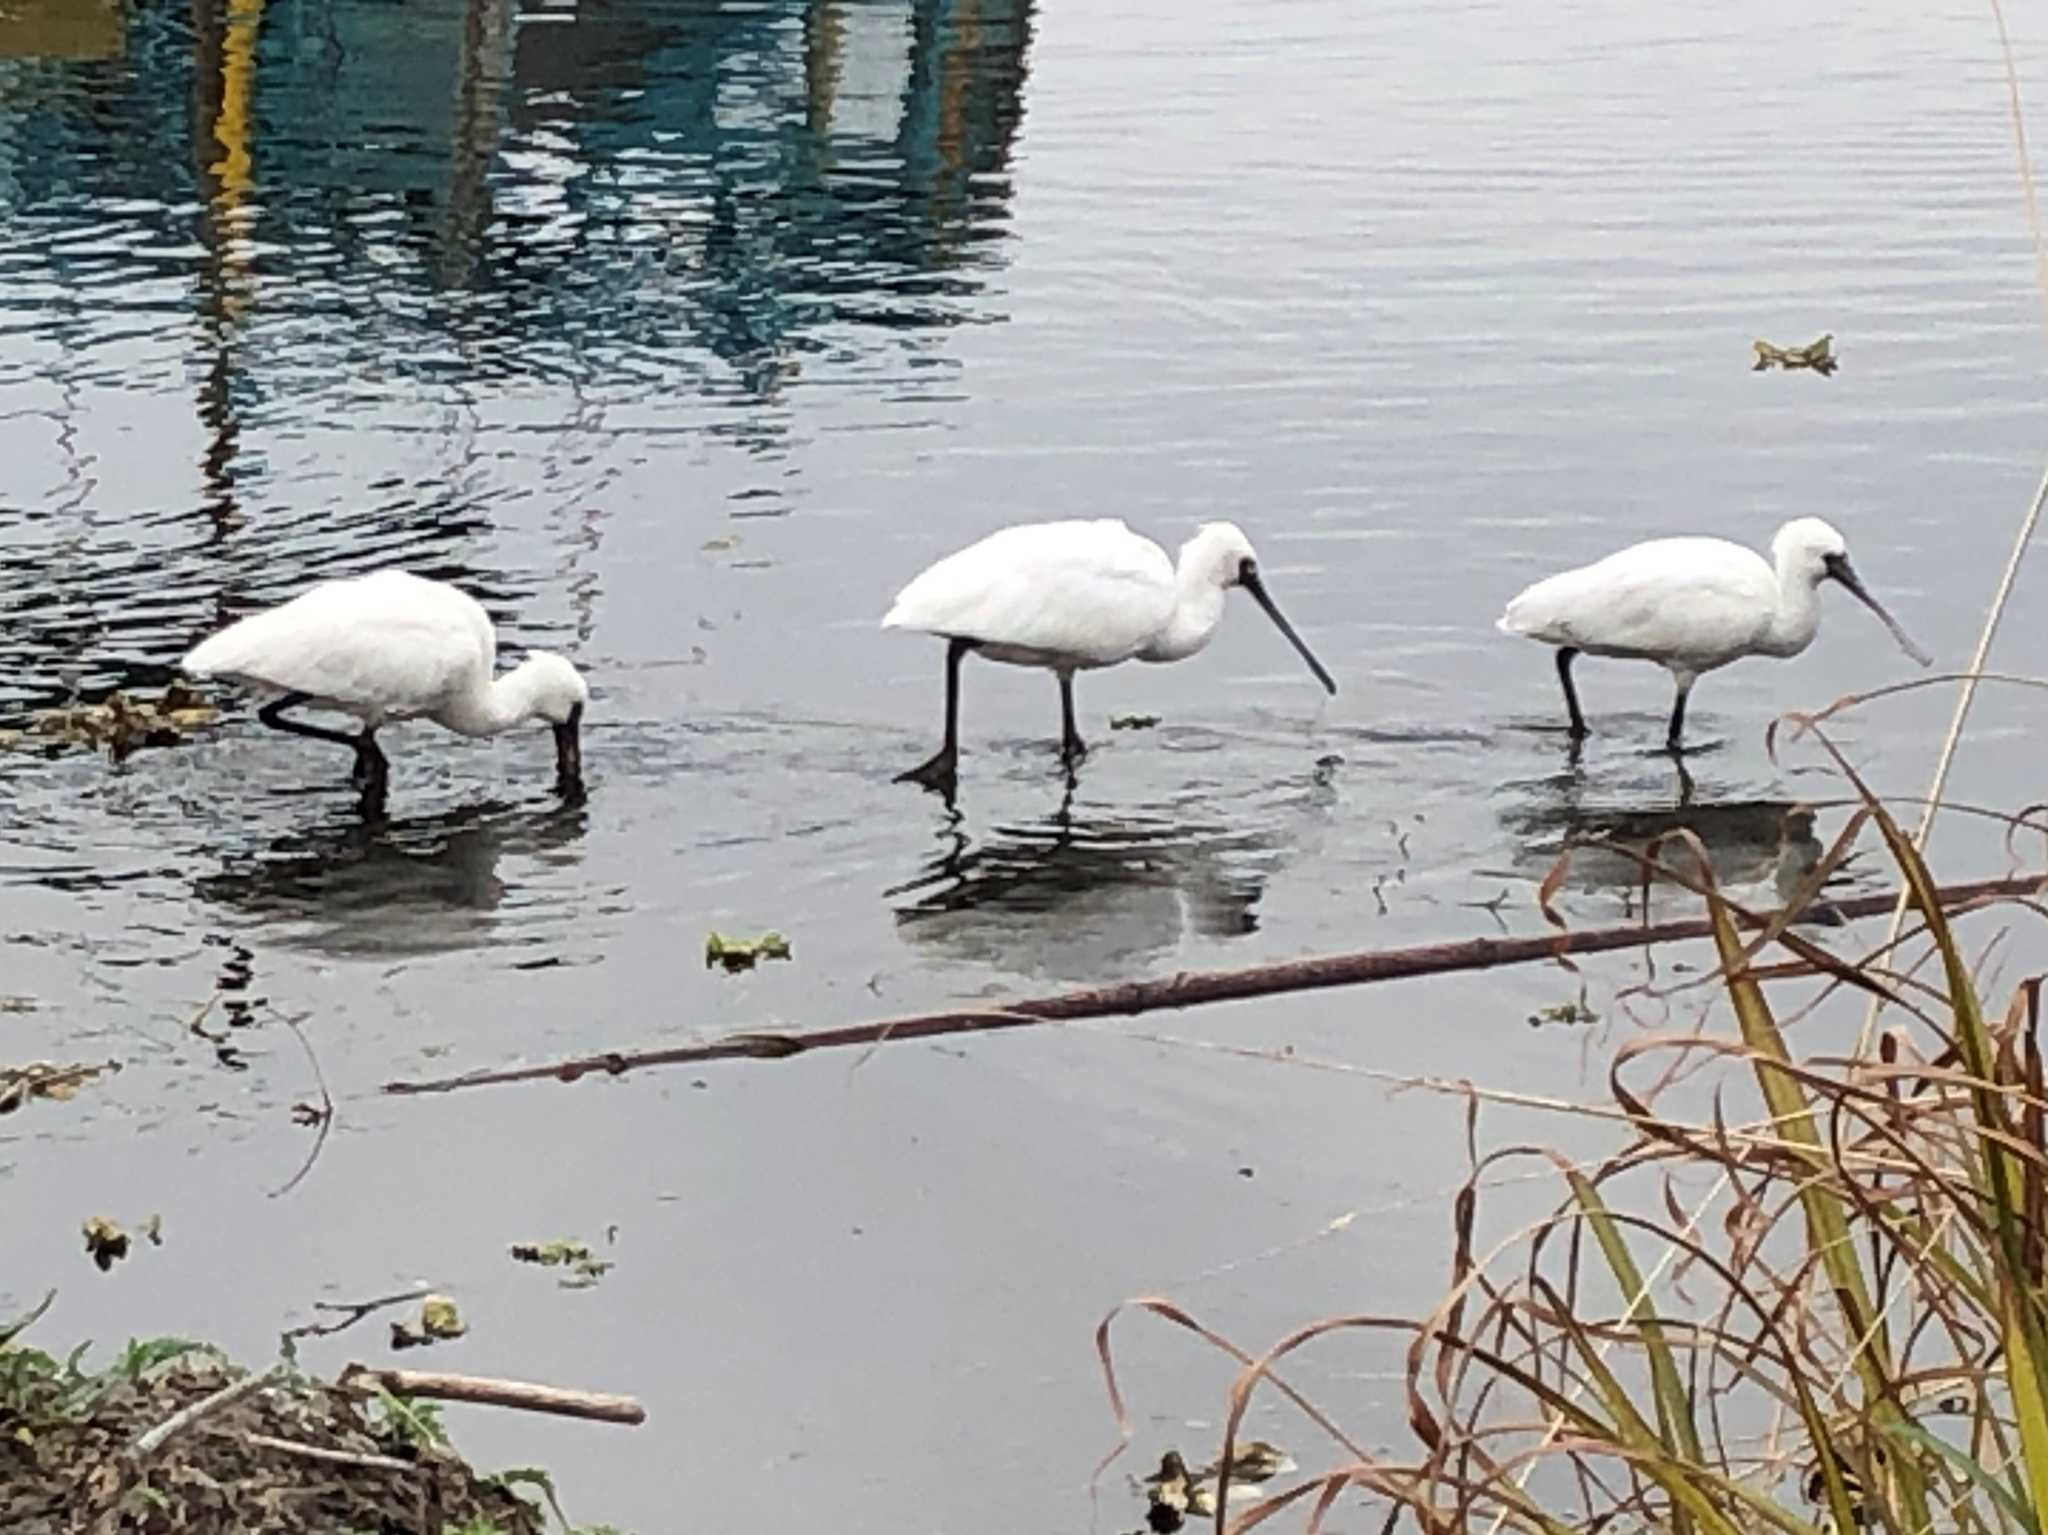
x=170 y=1436
x=1807 y=1293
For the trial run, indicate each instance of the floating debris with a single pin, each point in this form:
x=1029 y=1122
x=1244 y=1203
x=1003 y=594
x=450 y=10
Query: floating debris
x=105 y=1242
x=738 y=954
x=1817 y=355
x=42 y=1079
x=1133 y=721
x=1171 y=1495
x=1174 y=1494
x=118 y=723
x=439 y=1321
x=1564 y=1013
x=584 y=1267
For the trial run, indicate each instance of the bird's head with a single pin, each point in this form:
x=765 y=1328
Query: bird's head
x=1811 y=550
x=1220 y=552
x=556 y=692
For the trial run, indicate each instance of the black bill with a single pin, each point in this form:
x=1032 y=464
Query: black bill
x=1839 y=567
x=569 y=754
x=1251 y=583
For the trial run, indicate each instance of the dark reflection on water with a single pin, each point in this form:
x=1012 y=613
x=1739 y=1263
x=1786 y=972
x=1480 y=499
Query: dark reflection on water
x=1085 y=897
x=416 y=886
x=1100 y=895
x=321 y=229
x=1756 y=842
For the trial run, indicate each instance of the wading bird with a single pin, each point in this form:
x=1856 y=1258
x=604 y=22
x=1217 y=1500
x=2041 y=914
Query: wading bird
x=393 y=646
x=1072 y=596
x=1691 y=605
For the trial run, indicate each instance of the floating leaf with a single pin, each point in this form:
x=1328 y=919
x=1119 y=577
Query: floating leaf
x=439 y=1321
x=119 y=723
x=585 y=1268
x=105 y=1241
x=1575 y=1011
x=743 y=954
x=42 y=1079
x=1817 y=355
x=1133 y=721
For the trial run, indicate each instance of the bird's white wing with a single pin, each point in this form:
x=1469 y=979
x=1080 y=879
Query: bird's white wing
x=1092 y=591
x=1699 y=601
x=390 y=642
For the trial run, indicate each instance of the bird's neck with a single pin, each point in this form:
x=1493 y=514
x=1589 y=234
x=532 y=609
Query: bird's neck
x=1798 y=616
x=1197 y=609
x=489 y=706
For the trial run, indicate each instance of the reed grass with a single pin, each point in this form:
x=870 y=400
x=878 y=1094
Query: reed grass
x=1855 y=1331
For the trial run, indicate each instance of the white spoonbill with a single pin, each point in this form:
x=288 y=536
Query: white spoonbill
x=1692 y=604
x=394 y=646
x=1072 y=596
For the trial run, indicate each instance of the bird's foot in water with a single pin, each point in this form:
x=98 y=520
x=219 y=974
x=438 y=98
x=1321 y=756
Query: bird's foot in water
x=938 y=772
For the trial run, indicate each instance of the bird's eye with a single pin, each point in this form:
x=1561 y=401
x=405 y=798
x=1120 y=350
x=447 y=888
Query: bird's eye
x=1247 y=570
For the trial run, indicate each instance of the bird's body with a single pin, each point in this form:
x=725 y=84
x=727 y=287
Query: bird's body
x=1692 y=605
x=1059 y=595
x=1074 y=596
x=393 y=646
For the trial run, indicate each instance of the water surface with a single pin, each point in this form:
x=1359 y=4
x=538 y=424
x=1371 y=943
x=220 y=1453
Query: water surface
x=682 y=334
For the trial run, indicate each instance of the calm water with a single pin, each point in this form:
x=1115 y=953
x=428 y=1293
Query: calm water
x=682 y=334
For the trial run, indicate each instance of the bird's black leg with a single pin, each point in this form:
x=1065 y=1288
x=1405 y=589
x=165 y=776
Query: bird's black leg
x=371 y=774
x=1565 y=656
x=272 y=714
x=940 y=771
x=1072 y=747
x=372 y=770
x=1676 y=737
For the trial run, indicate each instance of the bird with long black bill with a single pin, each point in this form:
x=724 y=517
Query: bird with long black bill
x=394 y=646
x=1068 y=597
x=1692 y=605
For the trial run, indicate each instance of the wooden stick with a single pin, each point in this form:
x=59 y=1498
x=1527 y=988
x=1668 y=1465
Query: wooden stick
x=495 y=1393
x=1192 y=988
x=321 y=1453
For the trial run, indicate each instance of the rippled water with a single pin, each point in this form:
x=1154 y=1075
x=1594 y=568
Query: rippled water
x=682 y=334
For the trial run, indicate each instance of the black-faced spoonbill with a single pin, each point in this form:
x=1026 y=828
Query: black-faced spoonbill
x=393 y=646
x=1691 y=605
x=1072 y=596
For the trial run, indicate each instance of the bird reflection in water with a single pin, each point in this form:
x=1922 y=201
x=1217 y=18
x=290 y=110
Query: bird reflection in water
x=416 y=886
x=1084 y=898
x=1760 y=844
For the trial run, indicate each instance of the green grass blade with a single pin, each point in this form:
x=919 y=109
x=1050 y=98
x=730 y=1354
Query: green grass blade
x=1677 y=1427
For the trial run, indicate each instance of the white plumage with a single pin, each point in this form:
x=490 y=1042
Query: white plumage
x=1691 y=605
x=386 y=646
x=394 y=646
x=1073 y=596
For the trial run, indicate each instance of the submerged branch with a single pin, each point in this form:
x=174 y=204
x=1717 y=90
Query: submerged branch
x=1191 y=988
